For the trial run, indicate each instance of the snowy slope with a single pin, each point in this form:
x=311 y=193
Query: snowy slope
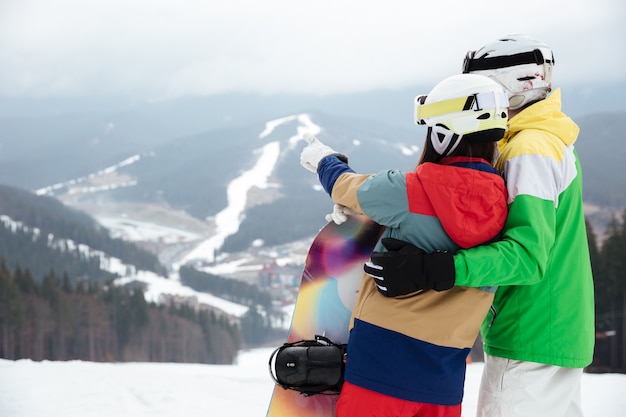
x=201 y=245
x=228 y=220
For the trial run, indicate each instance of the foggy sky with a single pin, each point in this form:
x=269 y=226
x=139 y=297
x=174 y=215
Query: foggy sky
x=167 y=48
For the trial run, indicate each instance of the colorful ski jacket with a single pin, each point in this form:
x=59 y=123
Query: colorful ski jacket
x=544 y=307
x=415 y=347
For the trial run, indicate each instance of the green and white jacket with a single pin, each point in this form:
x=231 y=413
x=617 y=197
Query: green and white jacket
x=543 y=310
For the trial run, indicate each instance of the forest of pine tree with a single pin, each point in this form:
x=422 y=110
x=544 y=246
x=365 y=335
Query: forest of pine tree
x=55 y=320
x=230 y=289
x=608 y=263
x=256 y=324
x=44 y=218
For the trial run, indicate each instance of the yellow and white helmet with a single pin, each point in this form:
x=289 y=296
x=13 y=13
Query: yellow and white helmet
x=463 y=107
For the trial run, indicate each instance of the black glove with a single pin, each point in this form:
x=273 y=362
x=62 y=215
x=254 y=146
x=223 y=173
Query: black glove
x=405 y=269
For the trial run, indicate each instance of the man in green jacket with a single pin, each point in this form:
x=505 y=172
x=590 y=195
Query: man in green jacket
x=539 y=334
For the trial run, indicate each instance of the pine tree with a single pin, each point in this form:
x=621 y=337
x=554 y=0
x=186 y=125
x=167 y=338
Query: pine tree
x=11 y=313
x=611 y=290
x=621 y=284
x=25 y=281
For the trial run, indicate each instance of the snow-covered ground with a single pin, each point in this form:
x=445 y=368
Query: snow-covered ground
x=87 y=389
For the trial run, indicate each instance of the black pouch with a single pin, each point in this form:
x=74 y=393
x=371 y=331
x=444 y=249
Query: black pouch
x=309 y=366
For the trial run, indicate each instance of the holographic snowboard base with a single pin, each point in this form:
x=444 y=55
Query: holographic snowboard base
x=328 y=290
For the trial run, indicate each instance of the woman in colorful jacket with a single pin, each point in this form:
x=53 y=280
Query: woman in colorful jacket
x=407 y=355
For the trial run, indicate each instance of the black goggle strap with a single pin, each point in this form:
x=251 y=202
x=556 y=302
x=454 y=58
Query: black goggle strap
x=481 y=64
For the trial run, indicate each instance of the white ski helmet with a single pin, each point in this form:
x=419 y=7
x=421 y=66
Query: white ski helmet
x=463 y=107
x=523 y=65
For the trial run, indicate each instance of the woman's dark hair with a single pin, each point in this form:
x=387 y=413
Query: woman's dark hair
x=468 y=146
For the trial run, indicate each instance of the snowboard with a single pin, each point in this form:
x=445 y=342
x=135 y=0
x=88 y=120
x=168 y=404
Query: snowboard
x=328 y=289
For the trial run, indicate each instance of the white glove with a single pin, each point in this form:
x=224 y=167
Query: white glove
x=314 y=152
x=340 y=214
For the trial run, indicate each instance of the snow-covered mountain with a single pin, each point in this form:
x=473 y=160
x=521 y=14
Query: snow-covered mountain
x=189 y=160
x=47 y=240
x=244 y=187
x=232 y=200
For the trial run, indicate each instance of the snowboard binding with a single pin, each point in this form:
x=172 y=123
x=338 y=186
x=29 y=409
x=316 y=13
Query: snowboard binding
x=309 y=366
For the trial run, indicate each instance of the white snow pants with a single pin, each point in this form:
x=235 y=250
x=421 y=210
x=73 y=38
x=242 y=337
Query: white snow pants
x=511 y=388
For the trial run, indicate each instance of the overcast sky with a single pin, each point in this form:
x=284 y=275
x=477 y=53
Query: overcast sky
x=167 y=48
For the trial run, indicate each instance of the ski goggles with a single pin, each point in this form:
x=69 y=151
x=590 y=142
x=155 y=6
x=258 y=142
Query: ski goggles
x=476 y=102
